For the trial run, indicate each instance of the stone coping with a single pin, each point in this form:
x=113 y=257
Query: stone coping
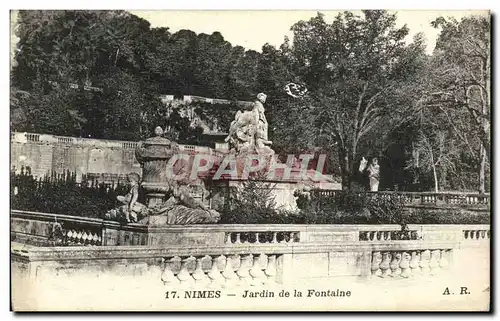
x=33 y=253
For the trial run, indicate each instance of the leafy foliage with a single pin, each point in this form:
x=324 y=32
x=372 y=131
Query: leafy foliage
x=252 y=203
x=61 y=194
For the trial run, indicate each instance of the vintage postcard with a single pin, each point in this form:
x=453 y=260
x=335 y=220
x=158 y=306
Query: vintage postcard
x=250 y=160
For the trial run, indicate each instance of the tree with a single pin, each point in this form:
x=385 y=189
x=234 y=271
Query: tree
x=461 y=86
x=352 y=68
x=82 y=71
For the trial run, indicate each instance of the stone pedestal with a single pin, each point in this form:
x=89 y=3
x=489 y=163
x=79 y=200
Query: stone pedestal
x=153 y=154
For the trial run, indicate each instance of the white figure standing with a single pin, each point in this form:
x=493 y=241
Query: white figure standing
x=373 y=172
x=374 y=175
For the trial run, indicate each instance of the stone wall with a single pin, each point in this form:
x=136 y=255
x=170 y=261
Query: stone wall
x=134 y=267
x=98 y=157
x=236 y=258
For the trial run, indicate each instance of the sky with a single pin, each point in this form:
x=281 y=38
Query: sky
x=252 y=29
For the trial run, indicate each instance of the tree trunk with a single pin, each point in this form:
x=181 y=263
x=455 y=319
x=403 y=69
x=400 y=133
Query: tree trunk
x=485 y=101
x=436 y=185
x=482 y=168
x=345 y=169
x=434 y=164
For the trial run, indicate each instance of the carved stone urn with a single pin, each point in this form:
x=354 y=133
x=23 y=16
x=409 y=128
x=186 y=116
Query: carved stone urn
x=153 y=154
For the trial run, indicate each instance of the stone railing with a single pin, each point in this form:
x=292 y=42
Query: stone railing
x=428 y=199
x=203 y=257
x=220 y=270
x=182 y=260
x=410 y=263
x=54 y=229
x=66 y=140
x=244 y=264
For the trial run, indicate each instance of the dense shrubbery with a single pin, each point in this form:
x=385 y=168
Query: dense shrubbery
x=349 y=208
x=254 y=203
x=357 y=208
x=61 y=194
x=446 y=216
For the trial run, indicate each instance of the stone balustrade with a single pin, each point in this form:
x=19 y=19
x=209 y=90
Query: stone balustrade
x=467 y=200
x=244 y=264
x=192 y=259
x=398 y=235
x=223 y=256
x=80 y=141
x=81 y=237
x=407 y=264
x=477 y=234
x=53 y=229
x=262 y=237
x=219 y=270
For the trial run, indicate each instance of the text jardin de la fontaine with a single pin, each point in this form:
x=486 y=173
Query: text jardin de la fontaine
x=215 y=294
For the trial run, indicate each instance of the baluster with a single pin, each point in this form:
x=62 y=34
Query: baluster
x=228 y=272
x=434 y=263
x=283 y=240
x=372 y=235
x=395 y=269
x=415 y=263
x=483 y=234
x=275 y=237
x=385 y=264
x=405 y=265
x=168 y=276
x=84 y=238
x=257 y=241
x=488 y=234
x=72 y=239
x=215 y=274
x=444 y=262
x=227 y=238
x=69 y=235
x=425 y=257
x=90 y=239
x=78 y=237
x=466 y=234
x=256 y=271
x=238 y=238
x=290 y=240
x=376 y=260
x=270 y=270
x=243 y=271
x=198 y=275
x=93 y=239
x=184 y=276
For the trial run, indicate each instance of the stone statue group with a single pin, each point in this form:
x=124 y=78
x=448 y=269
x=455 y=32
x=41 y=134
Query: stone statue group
x=180 y=207
x=248 y=131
